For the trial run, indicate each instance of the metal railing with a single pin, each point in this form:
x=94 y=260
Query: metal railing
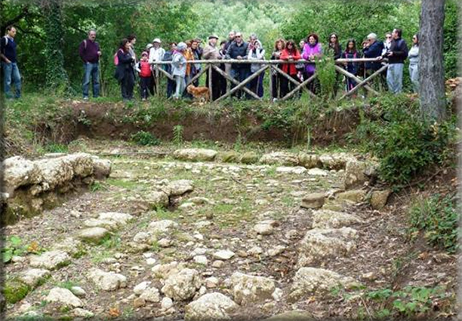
x=271 y=65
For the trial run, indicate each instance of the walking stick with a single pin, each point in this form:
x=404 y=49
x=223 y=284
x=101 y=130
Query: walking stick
x=101 y=77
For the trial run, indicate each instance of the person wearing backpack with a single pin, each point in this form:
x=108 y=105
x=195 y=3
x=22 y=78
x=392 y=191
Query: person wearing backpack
x=9 y=63
x=90 y=53
x=396 y=55
x=144 y=71
x=124 y=71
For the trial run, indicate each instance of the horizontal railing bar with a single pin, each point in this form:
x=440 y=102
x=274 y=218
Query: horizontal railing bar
x=270 y=62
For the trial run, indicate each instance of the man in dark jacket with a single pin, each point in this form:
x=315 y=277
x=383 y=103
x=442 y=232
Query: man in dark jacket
x=9 y=63
x=373 y=49
x=238 y=50
x=396 y=56
x=90 y=52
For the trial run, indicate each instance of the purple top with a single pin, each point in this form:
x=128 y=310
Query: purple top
x=307 y=52
x=88 y=51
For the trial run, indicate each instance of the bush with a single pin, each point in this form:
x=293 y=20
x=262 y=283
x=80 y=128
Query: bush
x=438 y=217
x=404 y=143
x=145 y=139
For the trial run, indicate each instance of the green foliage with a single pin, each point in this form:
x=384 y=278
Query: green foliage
x=408 y=302
x=12 y=248
x=437 y=216
x=404 y=143
x=178 y=135
x=327 y=77
x=145 y=139
x=55 y=148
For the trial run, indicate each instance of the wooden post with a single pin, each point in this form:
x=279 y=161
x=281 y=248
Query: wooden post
x=210 y=82
x=271 y=82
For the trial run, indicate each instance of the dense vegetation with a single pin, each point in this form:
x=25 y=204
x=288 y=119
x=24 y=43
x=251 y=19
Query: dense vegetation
x=43 y=32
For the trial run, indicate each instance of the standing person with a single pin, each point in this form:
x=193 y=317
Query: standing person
x=90 y=52
x=144 y=70
x=372 y=48
x=151 y=82
x=387 y=43
x=290 y=53
x=256 y=52
x=168 y=68
x=188 y=54
x=352 y=67
x=223 y=82
x=238 y=50
x=414 y=63
x=396 y=55
x=276 y=78
x=312 y=50
x=197 y=54
x=231 y=36
x=334 y=50
x=300 y=66
x=10 y=64
x=156 y=54
x=179 y=69
x=132 y=40
x=124 y=71
x=211 y=52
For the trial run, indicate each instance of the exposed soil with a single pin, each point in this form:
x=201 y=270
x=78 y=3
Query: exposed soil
x=106 y=120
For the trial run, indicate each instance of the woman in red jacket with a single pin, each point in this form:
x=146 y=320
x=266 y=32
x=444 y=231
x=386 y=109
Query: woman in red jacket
x=290 y=53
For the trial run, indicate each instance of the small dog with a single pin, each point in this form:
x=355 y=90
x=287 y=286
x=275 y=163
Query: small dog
x=201 y=94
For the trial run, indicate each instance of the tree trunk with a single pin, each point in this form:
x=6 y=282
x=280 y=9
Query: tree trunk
x=431 y=67
x=56 y=76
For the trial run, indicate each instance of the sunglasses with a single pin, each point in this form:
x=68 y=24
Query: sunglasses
x=388 y=37
x=238 y=36
x=333 y=37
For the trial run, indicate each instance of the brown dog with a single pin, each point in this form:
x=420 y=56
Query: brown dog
x=199 y=93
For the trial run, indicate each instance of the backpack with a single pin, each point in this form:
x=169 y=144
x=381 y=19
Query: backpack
x=116 y=58
x=3 y=46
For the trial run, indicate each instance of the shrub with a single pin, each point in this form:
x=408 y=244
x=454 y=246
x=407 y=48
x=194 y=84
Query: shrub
x=437 y=217
x=145 y=139
x=404 y=143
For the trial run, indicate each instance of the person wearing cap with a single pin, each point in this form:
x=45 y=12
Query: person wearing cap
x=179 y=69
x=144 y=71
x=156 y=54
x=211 y=52
x=238 y=50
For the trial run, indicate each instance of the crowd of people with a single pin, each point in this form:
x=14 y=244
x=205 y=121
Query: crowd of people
x=182 y=67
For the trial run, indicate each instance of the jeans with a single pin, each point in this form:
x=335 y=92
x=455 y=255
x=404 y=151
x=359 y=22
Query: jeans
x=240 y=74
x=90 y=70
x=171 y=85
x=180 y=85
x=11 y=73
x=414 y=74
x=395 y=78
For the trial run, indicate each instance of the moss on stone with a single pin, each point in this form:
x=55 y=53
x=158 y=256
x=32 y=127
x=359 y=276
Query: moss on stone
x=249 y=158
x=15 y=290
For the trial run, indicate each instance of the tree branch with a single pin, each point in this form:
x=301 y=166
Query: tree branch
x=30 y=32
x=23 y=14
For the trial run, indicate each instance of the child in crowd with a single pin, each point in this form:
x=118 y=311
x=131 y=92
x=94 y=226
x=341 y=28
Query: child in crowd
x=144 y=71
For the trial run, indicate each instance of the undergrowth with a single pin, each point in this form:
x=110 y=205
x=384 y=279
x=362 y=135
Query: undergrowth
x=392 y=130
x=437 y=217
